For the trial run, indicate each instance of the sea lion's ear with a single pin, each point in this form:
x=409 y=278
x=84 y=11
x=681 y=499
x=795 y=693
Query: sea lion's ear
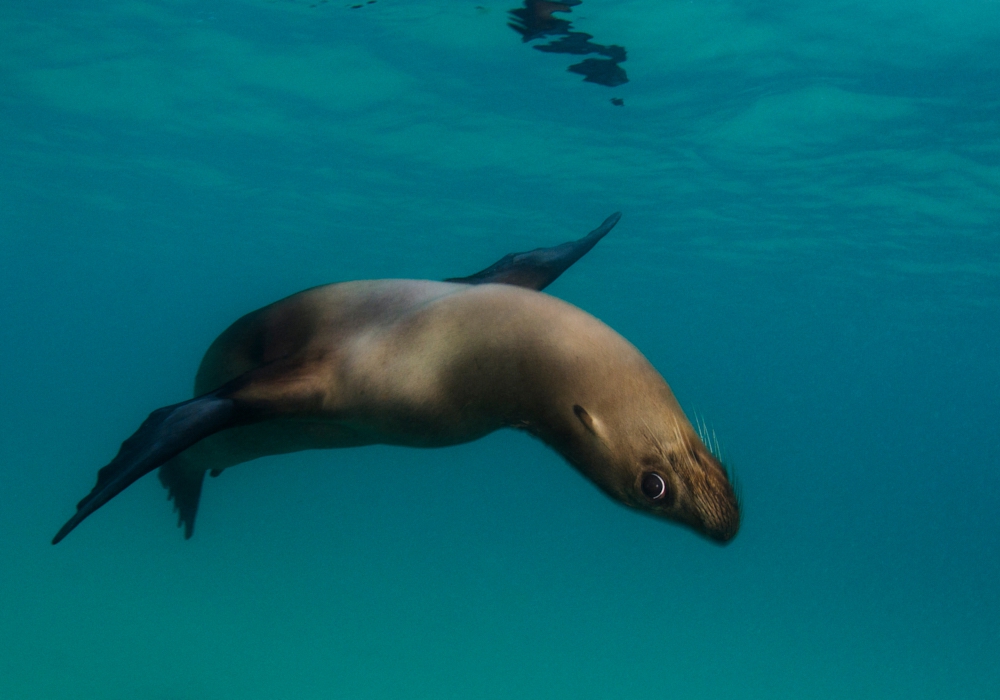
x=585 y=418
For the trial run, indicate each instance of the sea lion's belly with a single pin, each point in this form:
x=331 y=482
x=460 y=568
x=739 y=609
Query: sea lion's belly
x=405 y=428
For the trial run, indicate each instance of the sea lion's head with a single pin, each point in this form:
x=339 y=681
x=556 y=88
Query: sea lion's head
x=689 y=485
x=670 y=475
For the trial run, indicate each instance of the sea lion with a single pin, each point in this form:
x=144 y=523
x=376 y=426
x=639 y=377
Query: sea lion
x=428 y=364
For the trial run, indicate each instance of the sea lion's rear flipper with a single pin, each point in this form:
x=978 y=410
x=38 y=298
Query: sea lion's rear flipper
x=184 y=489
x=165 y=433
x=282 y=388
x=539 y=268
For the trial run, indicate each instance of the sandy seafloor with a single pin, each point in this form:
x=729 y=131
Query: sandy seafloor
x=809 y=253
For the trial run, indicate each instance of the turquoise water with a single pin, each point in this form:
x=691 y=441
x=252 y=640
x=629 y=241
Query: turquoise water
x=809 y=253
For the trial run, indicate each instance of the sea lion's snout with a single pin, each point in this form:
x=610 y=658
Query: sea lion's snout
x=724 y=523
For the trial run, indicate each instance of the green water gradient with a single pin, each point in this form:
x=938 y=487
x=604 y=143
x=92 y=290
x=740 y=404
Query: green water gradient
x=809 y=254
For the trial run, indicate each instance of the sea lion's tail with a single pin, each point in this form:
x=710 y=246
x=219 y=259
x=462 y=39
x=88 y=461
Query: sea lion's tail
x=537 y=269
x=165 y=433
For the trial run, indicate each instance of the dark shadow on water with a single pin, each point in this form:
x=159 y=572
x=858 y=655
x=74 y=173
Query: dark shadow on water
x=537 y=20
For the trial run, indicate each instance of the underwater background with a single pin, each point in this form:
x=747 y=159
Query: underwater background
x=809 y=253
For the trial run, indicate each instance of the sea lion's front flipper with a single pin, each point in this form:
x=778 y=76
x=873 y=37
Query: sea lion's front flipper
x=165 y=433
x=539 y=268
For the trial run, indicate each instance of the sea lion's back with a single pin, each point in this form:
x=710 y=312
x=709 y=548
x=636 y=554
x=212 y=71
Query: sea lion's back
x=320 y=314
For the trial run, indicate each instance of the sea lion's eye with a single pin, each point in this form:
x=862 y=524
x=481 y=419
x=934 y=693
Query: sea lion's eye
x=653 y=486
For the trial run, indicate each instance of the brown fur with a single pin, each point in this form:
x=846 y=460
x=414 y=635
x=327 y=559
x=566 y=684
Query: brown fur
x=432 y=363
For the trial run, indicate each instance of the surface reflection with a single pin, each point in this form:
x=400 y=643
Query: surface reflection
x=536 y=20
